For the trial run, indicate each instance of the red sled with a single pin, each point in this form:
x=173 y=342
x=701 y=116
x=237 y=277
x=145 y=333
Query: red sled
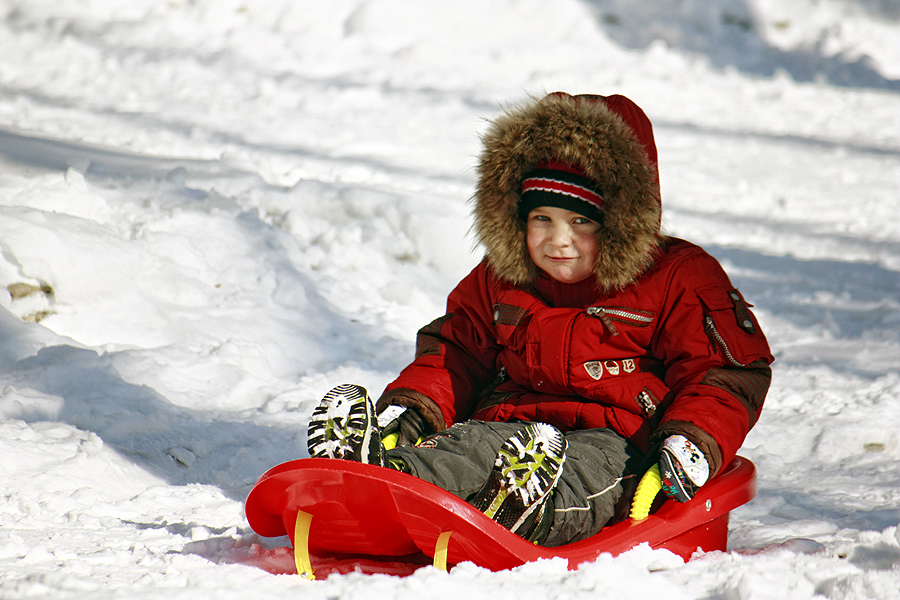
x=344 y=516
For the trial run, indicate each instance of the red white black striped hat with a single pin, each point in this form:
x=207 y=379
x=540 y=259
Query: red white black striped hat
x=559 y=184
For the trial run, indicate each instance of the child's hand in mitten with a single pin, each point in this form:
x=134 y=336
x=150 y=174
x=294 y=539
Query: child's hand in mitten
x=402 y=426
x=682 y=467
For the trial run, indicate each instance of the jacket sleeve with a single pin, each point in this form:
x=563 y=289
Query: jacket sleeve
x=717 y=361
x=455 y=357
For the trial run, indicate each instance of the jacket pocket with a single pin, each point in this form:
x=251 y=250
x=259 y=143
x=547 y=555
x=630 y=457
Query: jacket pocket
x=731 y=328
x=638 y=392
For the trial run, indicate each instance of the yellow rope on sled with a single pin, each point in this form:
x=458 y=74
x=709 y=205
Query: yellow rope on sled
x=645 y=494
x=440 y=550
x=301 y=545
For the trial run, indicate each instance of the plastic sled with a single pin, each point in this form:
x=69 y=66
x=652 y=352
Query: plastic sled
x=344 y=516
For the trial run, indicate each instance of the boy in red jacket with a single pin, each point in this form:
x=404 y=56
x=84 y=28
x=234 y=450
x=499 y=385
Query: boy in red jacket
x=585 y=347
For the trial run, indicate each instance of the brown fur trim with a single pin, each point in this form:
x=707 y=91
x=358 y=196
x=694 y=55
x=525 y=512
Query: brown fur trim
x=588 y=134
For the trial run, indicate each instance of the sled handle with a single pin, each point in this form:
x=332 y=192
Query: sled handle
x=301 y=545
x=645 y=494
x=440 y=550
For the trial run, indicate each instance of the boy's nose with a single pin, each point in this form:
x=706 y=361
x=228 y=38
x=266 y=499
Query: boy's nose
x=561 y=235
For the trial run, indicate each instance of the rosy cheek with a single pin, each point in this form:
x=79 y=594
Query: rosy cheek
x=532 y=244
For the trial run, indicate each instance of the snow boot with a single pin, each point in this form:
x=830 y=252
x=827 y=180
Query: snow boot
x=344 y=426
x=527 y=469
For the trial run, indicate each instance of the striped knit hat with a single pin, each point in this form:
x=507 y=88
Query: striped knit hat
x=559 y=184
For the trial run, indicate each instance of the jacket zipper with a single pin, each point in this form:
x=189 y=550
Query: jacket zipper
x=606 y=315
x=714 y=334
x=628 y=315
x=600 y=313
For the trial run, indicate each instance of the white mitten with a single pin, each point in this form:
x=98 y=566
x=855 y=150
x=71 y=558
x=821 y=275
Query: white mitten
x=682 y=467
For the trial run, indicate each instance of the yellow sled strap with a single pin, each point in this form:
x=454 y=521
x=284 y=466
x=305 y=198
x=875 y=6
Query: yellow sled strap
x=440 y=550
x=645 y=494
x=301 y=545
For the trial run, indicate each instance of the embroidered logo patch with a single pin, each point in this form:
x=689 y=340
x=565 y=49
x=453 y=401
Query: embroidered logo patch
x=614 y=368
x=594 y=368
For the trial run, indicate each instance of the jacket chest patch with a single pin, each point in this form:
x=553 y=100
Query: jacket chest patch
x=596 y=368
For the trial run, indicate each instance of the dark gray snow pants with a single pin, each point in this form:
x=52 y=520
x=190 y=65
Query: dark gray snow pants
x=600 y=468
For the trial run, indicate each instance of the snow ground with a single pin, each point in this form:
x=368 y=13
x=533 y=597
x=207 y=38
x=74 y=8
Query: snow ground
x=212 y=211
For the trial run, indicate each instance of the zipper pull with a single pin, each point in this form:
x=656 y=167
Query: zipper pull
x=645 y=401
x=599 y=313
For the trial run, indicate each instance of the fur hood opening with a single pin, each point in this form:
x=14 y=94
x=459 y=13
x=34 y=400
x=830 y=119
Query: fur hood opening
x=611 y=140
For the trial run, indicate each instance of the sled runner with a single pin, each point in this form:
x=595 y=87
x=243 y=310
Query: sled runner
x=343 y=516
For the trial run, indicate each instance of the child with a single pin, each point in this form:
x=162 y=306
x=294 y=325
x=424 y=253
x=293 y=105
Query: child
x=585 y=347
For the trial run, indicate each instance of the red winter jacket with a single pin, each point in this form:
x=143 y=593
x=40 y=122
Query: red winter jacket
x=657 y=343
x=678 y=351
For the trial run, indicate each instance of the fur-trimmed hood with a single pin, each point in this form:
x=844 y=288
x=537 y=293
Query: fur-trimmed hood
x=611 y=140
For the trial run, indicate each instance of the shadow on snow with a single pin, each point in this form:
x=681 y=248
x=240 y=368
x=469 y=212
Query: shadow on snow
x=728 y=34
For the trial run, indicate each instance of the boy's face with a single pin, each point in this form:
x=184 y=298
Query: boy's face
x=562 y=243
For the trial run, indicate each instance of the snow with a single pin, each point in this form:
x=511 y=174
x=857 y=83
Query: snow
x=213 y=211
